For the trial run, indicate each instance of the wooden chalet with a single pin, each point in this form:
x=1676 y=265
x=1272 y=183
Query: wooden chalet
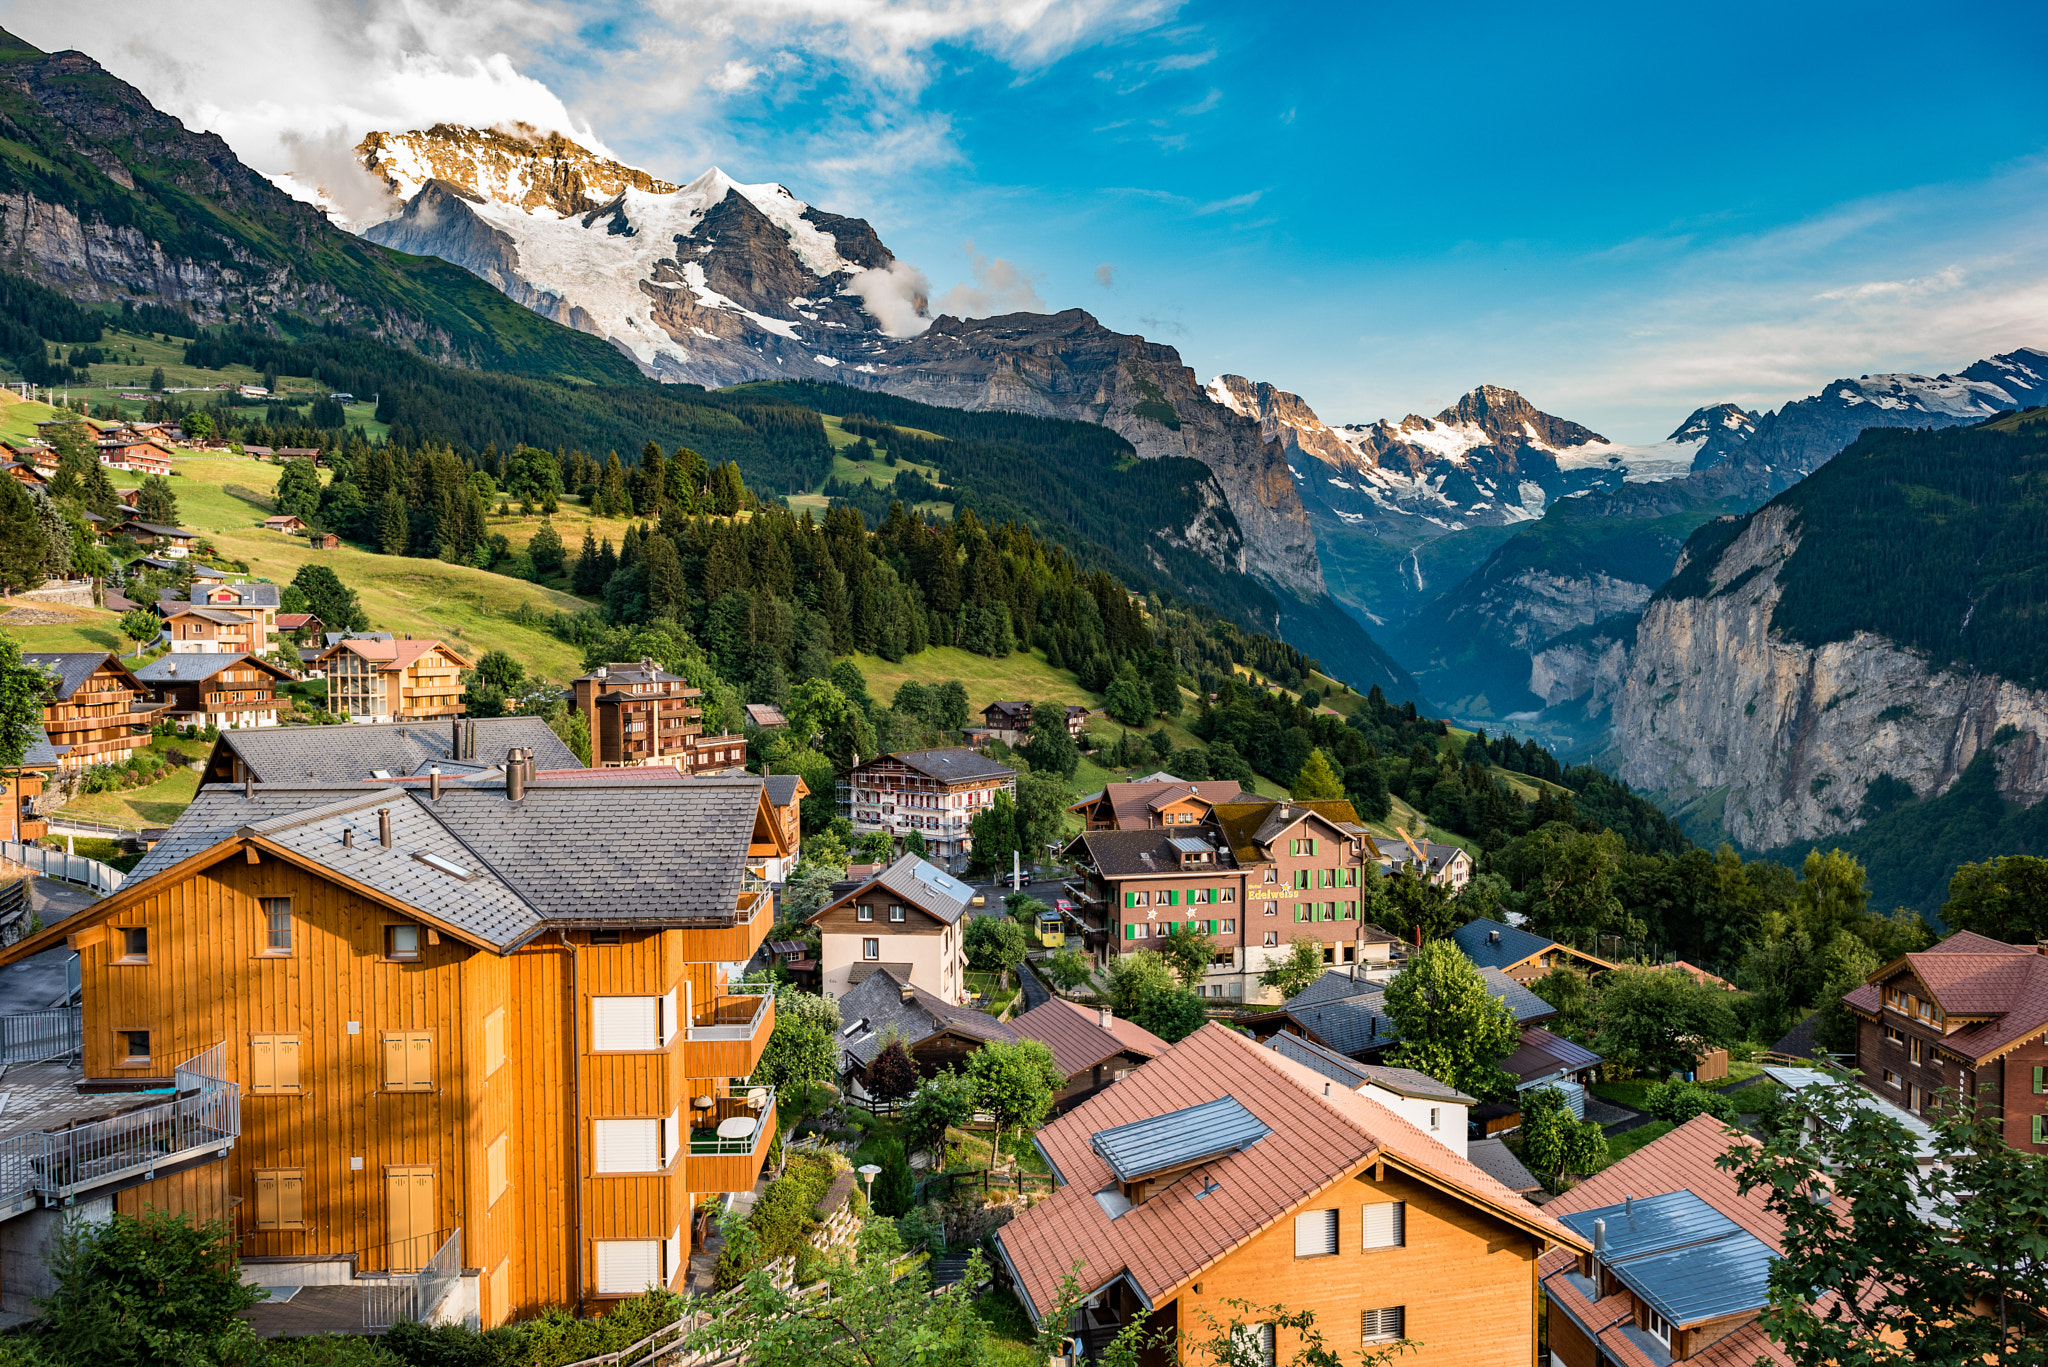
x=884 y=1005
x=1223 y=1173
x=936 y=793
x=98 y=712
x=20 y=785
x=1967 y=1017
x=488 y=1028
x=1521 y=955
x=227 y=689
x=1092 y=1046
x=909 y=917
x=288 y=523
x=389 y=680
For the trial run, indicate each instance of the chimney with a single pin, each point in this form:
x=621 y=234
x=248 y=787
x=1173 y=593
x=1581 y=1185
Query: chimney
x=1599 y=1237
x=909 y=994
x=248 y=785
x=348 y=838
x=455 y=738
x=384 y=827
x=469 y=740
x=1108 y=1019
x=1493 y=937
x=1628 y=1206
x=434 y=782
x=515 y=774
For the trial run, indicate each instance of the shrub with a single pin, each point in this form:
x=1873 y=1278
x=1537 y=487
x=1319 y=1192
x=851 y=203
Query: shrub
x=894 y=1189
x=157 y=1289
x=1679 y=1102
x=782 y=1219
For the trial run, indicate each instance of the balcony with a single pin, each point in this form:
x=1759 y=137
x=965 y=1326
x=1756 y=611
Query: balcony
x=729 y=1138
x=104 y=1154
x=728 y=1034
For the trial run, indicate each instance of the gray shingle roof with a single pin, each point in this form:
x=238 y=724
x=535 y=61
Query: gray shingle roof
x=1494 y=1158
x=1332 y=1065
x=40 y=753
x=1152 y=850
x=953 y=764
x=348 y=754
x=72 y=667
x=1350 y=1016
x=574 y=851
x=1490 y=944
x=928 y=887
x=174 y=608
x=192 y=664
x=246 y=595
x=781 y=788
x=875 y=1010
x=620 y=853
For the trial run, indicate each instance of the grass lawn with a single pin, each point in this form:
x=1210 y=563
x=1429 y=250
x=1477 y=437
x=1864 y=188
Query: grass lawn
x=1620 y=1146
x=1740 y=1070
x=79 y=629
x=1009 y=1329
x=108 y=852
x=1018 y=675
x=994 y=996
x=1633 y=1095
x=158 y=804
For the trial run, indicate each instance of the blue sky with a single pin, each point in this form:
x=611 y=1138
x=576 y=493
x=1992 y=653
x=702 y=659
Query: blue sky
x=1623 y=211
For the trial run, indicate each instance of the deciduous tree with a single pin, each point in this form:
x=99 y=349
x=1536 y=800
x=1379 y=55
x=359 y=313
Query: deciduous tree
x=1294 y=972
x=1655 y=1021
x=1554 y=1142
x=1451 y=1027
x=2003 y=899
x=1015 y=1081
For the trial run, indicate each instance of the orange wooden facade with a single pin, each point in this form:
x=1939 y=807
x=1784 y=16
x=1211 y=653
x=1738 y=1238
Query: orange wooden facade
x=387 y=1103
x=99 y=719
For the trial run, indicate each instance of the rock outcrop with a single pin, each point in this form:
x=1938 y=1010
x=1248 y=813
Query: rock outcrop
x=1786 y=738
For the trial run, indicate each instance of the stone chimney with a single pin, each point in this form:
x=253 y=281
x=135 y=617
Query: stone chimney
x=1108 y=1019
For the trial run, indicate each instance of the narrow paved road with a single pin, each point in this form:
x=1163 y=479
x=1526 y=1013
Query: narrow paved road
x=1035 y=992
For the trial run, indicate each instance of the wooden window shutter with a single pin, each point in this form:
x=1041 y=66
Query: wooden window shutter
x=2041 y=1129
x=263 y=1065
x=494 y=1041
x=1131 y=933
x=287 y=1056
x=291 y=1200
x=1386 y=1224
x=394 y=1062
x=419 y=1062
x=497 y=1164
x=266 y=1199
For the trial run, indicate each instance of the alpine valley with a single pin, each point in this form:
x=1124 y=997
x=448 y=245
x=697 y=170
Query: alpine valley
x=1733 y=619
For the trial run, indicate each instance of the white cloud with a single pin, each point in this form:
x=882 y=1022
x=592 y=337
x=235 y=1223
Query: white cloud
x=735 y=75
x=293 y=86
x=897 y=295
x=998 y=286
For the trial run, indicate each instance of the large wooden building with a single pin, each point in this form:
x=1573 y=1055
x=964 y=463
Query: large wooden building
x=639 y=713
x=1969 y=1018
x=98 y=712
x=384 y=681
x=220 y=689
x=492 y=1023
x=909 y=918
x=1223 y=1174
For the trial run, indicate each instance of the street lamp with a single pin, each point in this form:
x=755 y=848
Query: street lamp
x=868 y=1172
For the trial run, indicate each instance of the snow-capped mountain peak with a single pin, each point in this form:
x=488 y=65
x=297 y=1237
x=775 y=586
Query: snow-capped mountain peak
x=712 y=281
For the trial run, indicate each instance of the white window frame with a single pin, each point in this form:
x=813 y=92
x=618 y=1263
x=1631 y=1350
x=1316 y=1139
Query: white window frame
x=1384 y=1224
x=1315 y=1234
x=1383 y=1325
x=863 y=912
x=626 y=1025
x=625 y=1144
x=627 y=1267
x=870 y=950
x=1659 y=1327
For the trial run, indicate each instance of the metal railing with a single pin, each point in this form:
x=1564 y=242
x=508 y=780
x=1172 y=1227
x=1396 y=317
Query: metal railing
x=390 y=1297
x=56 y=1166
x=737 y=1016
x=71 y=868
x=750 y=1102
x=41 y=1036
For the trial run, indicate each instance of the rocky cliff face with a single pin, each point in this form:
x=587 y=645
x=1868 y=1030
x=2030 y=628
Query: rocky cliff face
x=1067 y=365
x=1784 y=738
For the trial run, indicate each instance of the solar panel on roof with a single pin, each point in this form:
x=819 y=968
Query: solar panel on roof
x=1188 y=844
x=1178 y=1138
x=944 y=882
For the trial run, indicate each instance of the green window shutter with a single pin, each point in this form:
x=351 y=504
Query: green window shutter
x=1312 y=846
x=2040 y=1080
x=1130 y=899
x=1130 y=932
x=1212 y=927
x=2040 y=1135
x=1297 y=911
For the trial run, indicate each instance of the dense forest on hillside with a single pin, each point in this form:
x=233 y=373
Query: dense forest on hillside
x=1937 y=541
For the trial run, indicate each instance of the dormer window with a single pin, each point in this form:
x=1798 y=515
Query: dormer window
x=1659 y=1327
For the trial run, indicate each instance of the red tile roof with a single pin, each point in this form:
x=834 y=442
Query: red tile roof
x=1130 y=802
x=1077 y=1038
x=1971 y=975
x=1319 y=1135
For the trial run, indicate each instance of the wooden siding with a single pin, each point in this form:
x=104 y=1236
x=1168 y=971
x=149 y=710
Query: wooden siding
x=209 y=980
x=845 y=918
x=1465 y=1276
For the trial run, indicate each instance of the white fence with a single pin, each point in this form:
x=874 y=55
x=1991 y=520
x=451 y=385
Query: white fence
x=71 y=868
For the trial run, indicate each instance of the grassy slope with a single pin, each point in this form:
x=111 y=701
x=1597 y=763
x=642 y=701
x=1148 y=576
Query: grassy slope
x=868 y=472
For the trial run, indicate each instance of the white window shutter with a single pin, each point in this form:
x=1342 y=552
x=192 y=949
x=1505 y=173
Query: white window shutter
x=625 y=1145
x=1386 y=1224
x=1383 y=1324
x=1315 y=1233
x=668 y=1017
x=669 y=1136
x=626 y=1267
x=623 y=1023
x=673 y=1252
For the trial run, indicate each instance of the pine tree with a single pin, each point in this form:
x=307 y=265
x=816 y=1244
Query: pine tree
x=586 y=583
x=393 y=526
x=21 y=540
x=545 y=550
x=612 y=500
x=1317 y=781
